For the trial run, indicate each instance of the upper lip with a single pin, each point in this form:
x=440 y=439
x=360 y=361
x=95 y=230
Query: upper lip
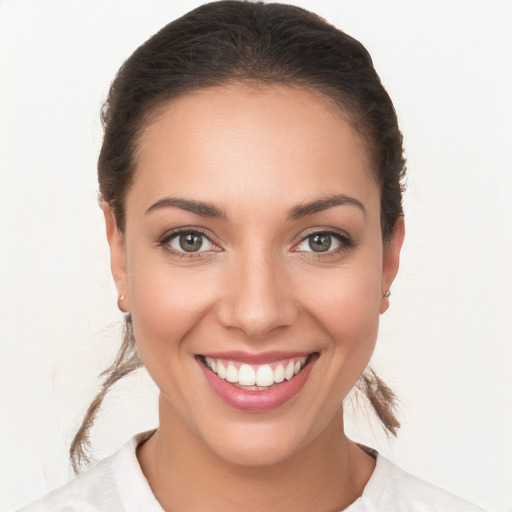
x=259 y=358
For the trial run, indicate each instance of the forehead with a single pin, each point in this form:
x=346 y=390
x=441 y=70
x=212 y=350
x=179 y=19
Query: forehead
x=265 y=140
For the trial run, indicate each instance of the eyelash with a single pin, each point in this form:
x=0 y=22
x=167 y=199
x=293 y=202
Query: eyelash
x=345 y=243
x=165 y=240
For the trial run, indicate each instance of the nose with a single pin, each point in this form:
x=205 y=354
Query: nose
x=257 y=296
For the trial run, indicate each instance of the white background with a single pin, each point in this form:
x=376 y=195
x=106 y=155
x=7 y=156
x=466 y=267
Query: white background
x=446 y=343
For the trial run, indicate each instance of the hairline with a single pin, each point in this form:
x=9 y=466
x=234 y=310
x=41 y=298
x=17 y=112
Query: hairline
x=162 y=105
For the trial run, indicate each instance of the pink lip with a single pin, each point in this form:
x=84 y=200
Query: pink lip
x=257 y=401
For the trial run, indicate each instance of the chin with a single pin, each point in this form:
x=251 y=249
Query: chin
x=260 y=451
x=262 y=443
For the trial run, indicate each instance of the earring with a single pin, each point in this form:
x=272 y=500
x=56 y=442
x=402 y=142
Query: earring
x=386 y=294
x=119 y=303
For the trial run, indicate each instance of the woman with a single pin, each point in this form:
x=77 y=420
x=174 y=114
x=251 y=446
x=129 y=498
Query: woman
x=251 y=177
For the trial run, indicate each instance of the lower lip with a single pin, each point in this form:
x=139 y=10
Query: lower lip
x=257 y=401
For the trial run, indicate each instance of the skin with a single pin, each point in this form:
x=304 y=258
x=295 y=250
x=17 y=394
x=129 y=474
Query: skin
x=255 y=153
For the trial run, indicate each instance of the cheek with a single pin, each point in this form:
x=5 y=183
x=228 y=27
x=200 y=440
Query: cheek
x=168 y=309
x=346 y=305
x=166 y=304
x=351 y=318
x=348 y=298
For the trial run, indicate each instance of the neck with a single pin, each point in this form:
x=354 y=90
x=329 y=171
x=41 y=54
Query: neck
x=185 y=474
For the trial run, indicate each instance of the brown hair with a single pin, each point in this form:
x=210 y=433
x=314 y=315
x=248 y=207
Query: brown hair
x=237 y=41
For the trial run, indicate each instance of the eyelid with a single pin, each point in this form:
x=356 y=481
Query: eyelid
x=345 y=241
x=165 y=239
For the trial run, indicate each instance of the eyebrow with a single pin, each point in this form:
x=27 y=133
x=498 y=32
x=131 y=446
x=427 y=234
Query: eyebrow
x=319 y=205
x=298 y=212
x=189 y=205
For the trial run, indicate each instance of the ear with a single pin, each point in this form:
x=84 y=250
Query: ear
x=117 y=258
x=391 y=260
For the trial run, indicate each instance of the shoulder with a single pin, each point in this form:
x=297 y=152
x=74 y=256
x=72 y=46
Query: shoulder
x=394 y=490
x=84 y=493
x=116 y=484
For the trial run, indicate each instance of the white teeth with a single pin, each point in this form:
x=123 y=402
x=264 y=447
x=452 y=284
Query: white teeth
x=265 y=376
x=246 y=376
x=258 y=376
x=289 y=372
x=279 y=374
x=221 y=370
x=231 y=373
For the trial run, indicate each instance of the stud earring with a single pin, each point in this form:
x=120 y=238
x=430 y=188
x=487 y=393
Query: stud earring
x=119 y=303
x=386 y=294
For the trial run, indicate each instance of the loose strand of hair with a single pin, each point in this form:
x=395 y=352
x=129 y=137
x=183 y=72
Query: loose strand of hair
x=127 y=361
x=382 y=399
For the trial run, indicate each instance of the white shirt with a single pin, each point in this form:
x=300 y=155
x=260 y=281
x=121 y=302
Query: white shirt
x=117 y=484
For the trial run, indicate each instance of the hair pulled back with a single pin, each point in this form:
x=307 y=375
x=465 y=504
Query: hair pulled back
x=233 y=41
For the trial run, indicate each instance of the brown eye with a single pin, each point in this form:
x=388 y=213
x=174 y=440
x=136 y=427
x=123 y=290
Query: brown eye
x=190 y=241
x=324 y=241
x=320 y=242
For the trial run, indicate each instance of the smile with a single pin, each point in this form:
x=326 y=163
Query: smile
x=256 y=383
x=256 y=377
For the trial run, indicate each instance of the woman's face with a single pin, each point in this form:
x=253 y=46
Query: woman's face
x=253 y=267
